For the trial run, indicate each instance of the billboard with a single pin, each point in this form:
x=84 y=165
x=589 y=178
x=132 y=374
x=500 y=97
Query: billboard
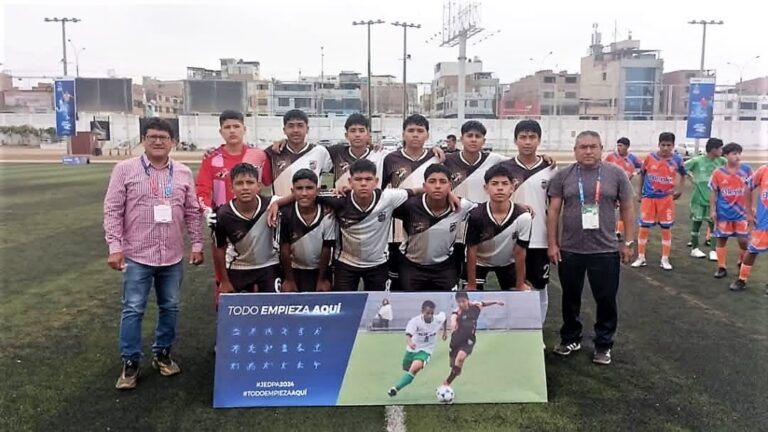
x=334 y=349
x=701 y=97
x=214 y=96
x=105 y=95
x=100 y=129
x=66 y=109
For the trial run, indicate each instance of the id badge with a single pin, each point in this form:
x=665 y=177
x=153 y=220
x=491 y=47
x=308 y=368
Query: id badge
x=590 y=217
x=163 y=213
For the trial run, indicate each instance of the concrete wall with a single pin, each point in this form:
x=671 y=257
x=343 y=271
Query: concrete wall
x=123 y=127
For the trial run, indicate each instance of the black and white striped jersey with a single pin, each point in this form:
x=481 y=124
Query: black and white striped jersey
x=287 y=162
x=251 y=241
x=496 y=241
x=306 y=238
x=532 y=191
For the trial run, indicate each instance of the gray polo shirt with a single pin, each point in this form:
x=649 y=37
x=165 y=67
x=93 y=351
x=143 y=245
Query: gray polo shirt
x=614 y=186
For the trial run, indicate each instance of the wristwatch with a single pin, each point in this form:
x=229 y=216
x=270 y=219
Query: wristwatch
x=629 y=243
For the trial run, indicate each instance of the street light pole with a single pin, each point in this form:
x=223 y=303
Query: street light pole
x=63 y=22
x=704 y=25
x=77 y=57
x=741 y=68
x=405 y=27
x=369 y=23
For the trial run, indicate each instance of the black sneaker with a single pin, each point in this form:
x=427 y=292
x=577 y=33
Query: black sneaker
x=392 y=392
x=163 y=362
x=128 y=375
x=602 y=357
x=738 y=285
x=721 y=273
x=567 y=349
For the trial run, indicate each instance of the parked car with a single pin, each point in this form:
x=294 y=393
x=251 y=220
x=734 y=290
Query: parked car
x=688 y=148
x=390 y=143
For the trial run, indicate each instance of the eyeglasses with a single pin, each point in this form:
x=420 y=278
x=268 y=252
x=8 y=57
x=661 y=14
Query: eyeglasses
x=161 y=138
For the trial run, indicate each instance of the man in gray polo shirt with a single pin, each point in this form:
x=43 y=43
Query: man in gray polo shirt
x=586 y=194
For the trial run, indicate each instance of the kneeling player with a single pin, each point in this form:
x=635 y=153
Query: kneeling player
x=759 y=220
x=420 y=339
x=497 y=235
x=245 y=255
x=463 y=328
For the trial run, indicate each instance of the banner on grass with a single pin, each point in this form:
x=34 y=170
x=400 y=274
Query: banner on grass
x=64 y=103
x=327 y=349
x=701 y=98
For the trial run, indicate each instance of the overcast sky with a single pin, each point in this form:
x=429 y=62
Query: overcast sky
x=161 y=38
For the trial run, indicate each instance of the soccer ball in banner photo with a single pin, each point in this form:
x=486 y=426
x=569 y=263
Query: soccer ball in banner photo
x=445 y=394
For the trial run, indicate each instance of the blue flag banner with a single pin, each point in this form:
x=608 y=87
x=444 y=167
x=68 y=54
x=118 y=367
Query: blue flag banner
x=378 y=348
x=701 y=99
x=64 y=104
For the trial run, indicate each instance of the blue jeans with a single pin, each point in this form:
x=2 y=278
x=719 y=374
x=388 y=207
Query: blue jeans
x=137 y=281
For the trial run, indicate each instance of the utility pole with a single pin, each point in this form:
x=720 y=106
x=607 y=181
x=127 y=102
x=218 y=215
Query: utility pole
x=63 y=22
x=704 y=25
x=369 y=23
x=741 y=68
x=77 y=57
x=405 y=27
x=322 y=80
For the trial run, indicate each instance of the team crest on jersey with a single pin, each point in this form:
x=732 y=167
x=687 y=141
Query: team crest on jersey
x=343 y=167
x=281 y=165
x=456 y=178
x=401 y=173
x=381 y=217
x=420 y=227
x=222 y=173
x=313 y=165
x=544 y=183
x=453 y=227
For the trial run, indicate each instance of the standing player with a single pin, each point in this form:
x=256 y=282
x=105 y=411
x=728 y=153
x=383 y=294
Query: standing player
x=463 y=332
x=298 y=154
x=404 y=169
x=307 y=233
x=660 y=187
x=498 y=233
x=728 y=205
x=246 y=252
x=532 y=174
x=431 y=226
x=758 y=221
x=420 y=340
x=343 y=155
x=450 y=144
x=630 y=164
x=700 y=169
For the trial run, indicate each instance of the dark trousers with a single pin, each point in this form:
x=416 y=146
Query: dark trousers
x=306 y=280
x=347 y=277
x=438 y=277
x=602 y=269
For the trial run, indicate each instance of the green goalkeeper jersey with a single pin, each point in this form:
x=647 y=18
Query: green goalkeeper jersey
x=701 y=168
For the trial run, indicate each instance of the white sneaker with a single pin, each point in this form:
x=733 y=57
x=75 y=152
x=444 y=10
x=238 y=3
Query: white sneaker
x=712 y=256
x=697 y=253
x=639 y=262
x=665 y=263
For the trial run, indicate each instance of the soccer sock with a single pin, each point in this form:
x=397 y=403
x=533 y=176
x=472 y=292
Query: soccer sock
x=544 y=303
x=406 y=379
x=642 y=240
x=742 y=254
x=744 y=272
x=722 y=254
x=620 y=227
x=695 y=228
x=455 y=371
x=666 y=242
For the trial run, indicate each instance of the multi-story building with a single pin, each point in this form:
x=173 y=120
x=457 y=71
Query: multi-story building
x=331 y=95
x=260 y=97
x=674 y=92
x=387 y=95
x=480 y=96
x=163 y=98
x=37 y=100
x=622 y=80
x=543 y=93
x=239 y=69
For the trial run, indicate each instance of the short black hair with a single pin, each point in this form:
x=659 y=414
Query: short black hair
x=667 y=137
x=246 y=169
x=231 y=115
x=357 y=119
x=732 y=148
x=498 y=171
x=416 y=119
x=362 y=166
x=473 y=125
x=714 y=143
x=528 y=126
x=295 y=114
x=462 y=295
x=428 y=304
x=623 y=140
x=156 y=123
x=437 y=169
x=451 y=137
x=305 y=174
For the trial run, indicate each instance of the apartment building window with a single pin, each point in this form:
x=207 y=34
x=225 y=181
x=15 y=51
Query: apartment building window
x=473 y=104
x=748 y=105
x=549 y=95
x=729 y=104
x=302 y=102
x=764 y=106
x=263 y=102
x=262 y=86
x=605 y=76
x=549 y=80
x=570 y=80
x=284 y=102
x=570 y=95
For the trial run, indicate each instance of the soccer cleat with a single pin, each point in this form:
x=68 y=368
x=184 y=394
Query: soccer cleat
x=738 y=285
x=602 y=357
x=566 y=350
x=392 y=392
x=708 y=243
x=639 y=262
x=689 y=244
x=721 y=273
x=163 y=362
x=665 y=265
x=697 y=253
x=128 y=375
x=712 y=256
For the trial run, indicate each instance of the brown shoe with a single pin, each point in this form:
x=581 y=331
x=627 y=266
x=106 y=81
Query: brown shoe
x=163 y=362
x=128 y=376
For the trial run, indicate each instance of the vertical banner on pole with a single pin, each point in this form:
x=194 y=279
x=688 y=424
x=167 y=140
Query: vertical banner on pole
x=701 y=97
x=64 y=103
